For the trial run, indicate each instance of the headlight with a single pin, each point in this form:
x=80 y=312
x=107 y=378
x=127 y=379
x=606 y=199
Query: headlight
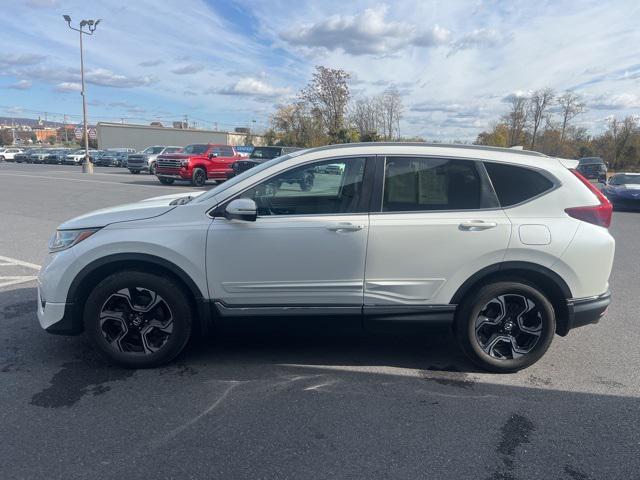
x=184 y=163
x=63 y=239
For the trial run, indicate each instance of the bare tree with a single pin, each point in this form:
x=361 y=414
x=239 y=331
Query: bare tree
x=365 y=118
x=570 y=107
x=328 y=94
x=621 y=132
x=391 y=110
x=539 y=103
x=515 y=118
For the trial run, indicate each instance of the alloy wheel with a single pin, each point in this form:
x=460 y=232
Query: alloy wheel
x=136 y=320
x=509 y=326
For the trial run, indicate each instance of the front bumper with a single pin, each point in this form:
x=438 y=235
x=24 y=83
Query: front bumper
x=57 y=318
x=175 y=176
x=585 y=311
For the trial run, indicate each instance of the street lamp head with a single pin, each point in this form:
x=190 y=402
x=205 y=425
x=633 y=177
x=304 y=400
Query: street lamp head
x=83 y=23
x=67 y=19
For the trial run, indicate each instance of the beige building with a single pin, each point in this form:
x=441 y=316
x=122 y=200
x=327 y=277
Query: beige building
x=114 y=135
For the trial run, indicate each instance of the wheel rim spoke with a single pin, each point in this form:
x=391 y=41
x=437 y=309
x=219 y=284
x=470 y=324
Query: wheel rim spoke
x=136 y=320
x=509 y=326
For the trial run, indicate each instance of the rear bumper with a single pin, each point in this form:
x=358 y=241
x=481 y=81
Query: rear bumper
x=585 y=311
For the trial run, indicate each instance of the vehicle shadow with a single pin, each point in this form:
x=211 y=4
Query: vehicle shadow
x=429 y=347
x=337 y=342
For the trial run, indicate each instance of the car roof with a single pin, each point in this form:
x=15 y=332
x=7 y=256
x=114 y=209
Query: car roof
x=477 y=152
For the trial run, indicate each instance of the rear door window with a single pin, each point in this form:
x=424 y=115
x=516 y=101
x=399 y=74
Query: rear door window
x=514 y=184
x=432 y=184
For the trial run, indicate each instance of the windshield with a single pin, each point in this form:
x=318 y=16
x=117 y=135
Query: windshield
x=153 y=150
x=246 y=174
x=623 y=179
x=197 y=149
x=265 y=152
x=172 y=149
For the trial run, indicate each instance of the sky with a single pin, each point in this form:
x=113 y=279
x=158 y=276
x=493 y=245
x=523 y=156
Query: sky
x=225 y=64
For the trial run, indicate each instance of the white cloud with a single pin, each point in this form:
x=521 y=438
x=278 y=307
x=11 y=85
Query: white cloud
x=8 y=60
x=366 y=33
x=618 y=101
x=21 y=85
x=252 y=87
x=188 y=69
x=481 y=37
x=66 y=87
x=151 y=63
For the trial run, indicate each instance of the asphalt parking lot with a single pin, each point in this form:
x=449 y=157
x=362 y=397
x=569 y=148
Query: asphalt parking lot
x=300 y=406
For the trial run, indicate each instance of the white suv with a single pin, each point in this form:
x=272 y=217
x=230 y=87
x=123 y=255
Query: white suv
x=509 y=246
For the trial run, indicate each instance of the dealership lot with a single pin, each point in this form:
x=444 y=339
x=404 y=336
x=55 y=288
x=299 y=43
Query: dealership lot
x=299 y=406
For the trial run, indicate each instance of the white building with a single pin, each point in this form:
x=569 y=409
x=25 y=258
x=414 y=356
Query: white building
x=113 y=135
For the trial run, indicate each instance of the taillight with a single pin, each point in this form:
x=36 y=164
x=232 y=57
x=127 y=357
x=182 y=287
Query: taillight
x=596 y=214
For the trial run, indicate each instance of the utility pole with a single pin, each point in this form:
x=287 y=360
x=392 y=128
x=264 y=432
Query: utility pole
x=87 y=166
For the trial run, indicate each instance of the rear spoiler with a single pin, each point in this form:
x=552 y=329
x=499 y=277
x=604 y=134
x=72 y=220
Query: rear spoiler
x=567 y=163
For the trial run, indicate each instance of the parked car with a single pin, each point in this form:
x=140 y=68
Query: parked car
x=494 y=241
x=197 y=164
x=259 y=155
x=623 y=190
x=8 y=153
x=37 y=155
x=23 y=157
x=57 y=156
x=145 y=161
x=593 y=168
x=112 y=159
x=77 y=157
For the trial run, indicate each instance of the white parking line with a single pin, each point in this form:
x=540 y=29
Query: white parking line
x=47 y=177
x=6 y=261
x=8 y=280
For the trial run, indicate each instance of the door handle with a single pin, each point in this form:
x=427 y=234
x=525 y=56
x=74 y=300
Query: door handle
x=477 y=225
x=344 y=227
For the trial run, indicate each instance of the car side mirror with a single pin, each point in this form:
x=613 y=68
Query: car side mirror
x=213 y=155
x=242 y=209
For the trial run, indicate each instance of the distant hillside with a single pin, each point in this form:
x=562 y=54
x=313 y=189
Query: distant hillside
x=32 y=122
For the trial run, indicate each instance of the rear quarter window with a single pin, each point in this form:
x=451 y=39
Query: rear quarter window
x=514 y=184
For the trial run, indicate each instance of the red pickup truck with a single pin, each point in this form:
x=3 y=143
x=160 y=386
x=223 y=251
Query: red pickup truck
x=197 y=164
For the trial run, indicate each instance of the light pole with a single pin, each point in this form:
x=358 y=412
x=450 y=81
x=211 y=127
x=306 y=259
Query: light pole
x=87 y=166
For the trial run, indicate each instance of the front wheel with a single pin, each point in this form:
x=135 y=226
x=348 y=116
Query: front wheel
x=138 y=319
x=152 y=168
x=505 y=326
x=199 y=177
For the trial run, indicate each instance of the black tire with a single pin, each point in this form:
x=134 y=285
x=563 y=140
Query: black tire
x=166 y=181
x=199 y=177
x=471 y=327
x=152 y=168
x=105 y=330
x=135 y=172
x=1 y=158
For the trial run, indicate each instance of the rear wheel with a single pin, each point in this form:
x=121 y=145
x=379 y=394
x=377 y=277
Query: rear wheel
x=137 y=319
x=505 y=326
x=166 y=181
x=199 y=177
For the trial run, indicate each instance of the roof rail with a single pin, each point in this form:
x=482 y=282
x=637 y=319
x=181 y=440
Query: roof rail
x=436 y=145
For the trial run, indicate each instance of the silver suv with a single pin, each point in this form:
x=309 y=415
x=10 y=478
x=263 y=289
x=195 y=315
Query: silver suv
x=145 y=161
